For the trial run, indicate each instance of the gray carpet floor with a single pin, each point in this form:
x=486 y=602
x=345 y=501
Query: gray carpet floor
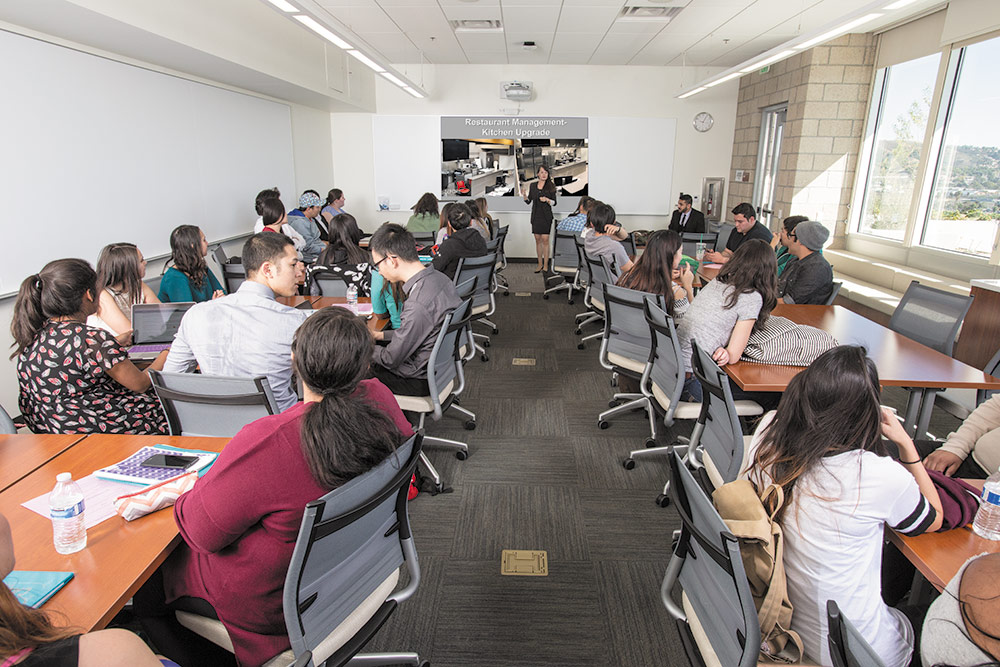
x=542 y=475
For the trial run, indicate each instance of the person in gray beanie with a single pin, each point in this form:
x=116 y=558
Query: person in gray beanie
x=809 y=279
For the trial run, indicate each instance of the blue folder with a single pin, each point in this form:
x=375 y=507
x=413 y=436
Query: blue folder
x=33 y=589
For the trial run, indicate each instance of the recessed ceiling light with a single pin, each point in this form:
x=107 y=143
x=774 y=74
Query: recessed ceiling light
x=836 y=32
x=367 y=61
x=322 y=31
x=284 y=5
x=476 y=25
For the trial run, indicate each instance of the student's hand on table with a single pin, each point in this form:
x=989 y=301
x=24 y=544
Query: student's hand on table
x=942 y=461
x=714 y=257
x=124 y=338
x=377 y=335
x=721 y=356
x=217 y=293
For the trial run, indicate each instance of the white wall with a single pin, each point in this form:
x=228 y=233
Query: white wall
x=561 y=90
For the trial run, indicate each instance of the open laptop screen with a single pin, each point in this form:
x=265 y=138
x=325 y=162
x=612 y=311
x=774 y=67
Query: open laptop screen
x=157 y=322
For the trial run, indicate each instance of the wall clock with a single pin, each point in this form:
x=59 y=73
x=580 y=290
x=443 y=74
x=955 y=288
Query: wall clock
x=703 y=121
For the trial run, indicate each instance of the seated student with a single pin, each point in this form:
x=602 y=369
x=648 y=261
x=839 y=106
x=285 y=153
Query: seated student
x=74 y=378
x=747 y=228
x=273 y=219
x=344 y=257
x=387 y=299
x=476 y=222
x=483 y=208
x=442 y=232
x=728 y=309
x=605 y=237
x=577 y=221
x=303 y=220
x=29 y=639
x=809 y=279
x=240 y=521
x=335 y=200
x=687 y=219
x=973 y=451
x=247 y=333
x=120 y=270
x=402 y=364
x=824 y=448
x=425 y=216
x=655 y=269
x=463 y=241
x=189 y=279
x=781 y=241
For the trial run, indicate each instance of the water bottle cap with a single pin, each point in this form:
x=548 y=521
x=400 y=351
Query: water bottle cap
x=64 y=477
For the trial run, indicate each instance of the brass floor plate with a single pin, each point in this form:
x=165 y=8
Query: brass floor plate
x=523 y=361
x=522 y=293
x=520 y=563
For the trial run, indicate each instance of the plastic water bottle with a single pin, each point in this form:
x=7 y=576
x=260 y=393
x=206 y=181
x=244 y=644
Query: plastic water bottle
x=352 y=297
x=987 y=523
x=69 y=532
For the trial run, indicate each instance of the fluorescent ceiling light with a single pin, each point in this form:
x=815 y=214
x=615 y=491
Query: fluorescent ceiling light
x=836 y=32
x=284 y=6
x=767 y=61
x=899 y=4
x=396 y=80
x=367 y=61
x=692 y=92
x=415 y=93
x=723 y=79
x=322 y=31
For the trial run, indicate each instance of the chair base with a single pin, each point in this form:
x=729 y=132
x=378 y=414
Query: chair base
x=373 y=659
x=632 y=402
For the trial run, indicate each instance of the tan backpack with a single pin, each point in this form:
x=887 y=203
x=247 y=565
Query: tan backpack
x=750 y=517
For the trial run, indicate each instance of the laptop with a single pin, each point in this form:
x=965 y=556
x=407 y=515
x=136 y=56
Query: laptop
x=154 y=326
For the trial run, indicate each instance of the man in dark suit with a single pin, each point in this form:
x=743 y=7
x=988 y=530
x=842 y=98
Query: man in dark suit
x=687 y=219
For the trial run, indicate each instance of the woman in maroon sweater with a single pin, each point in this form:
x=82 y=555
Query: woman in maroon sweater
x=240 y=521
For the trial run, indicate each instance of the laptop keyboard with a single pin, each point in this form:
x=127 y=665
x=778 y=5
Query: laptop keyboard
x=146 y=349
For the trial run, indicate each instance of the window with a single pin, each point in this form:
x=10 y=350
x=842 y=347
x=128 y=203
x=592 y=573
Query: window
x=903 y=108
x=965 y=199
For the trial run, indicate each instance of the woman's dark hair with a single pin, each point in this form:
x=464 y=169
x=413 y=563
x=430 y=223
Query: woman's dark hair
x=55 y=291
x=549 y=187
x=394 y=240
x=118 y=264
x=344 y=238
x=829 y=408
x=22 y=627
x=334 y=195
x=427 y=203
x=752 y=268
x=270 y=193
x=792 y=221
x=653 y=271
x=483 y=209
x=271 y=211
x=343 y=435
x=444 y=213
x=185 y=252
x=585 y=204
x=459 y=217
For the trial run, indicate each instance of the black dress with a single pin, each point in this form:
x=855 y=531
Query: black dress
x=541 y=213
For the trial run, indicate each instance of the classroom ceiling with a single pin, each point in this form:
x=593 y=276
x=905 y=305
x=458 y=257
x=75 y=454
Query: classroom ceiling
x=714 y=33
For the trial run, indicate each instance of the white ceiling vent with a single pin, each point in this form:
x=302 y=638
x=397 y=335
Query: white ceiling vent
x=647 y=13
x=476 y=25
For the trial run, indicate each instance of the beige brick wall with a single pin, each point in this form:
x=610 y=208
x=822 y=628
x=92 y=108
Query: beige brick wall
x=827 y=90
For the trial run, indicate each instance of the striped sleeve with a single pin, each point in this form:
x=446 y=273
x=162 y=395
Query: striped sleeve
x=918 y=520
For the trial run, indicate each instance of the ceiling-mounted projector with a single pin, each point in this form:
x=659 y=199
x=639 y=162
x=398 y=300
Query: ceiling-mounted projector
x=519 y=91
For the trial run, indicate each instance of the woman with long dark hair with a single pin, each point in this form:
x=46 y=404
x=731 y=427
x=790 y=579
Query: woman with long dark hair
x=240 y=521
x=120 y=270
x=189 y=279
x=344 y=257
x=442 y=232
x=74 y=378
x=824 y=447
x=658 y=271
x=542 y=197
x=425 y=216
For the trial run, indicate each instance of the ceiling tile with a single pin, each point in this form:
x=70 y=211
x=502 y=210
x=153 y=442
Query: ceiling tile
x=363 y=19
x=530 y=3
x=586 y=19
x=347 y=3
x=488 y=57
x=570 y=57
x=407 y=3
x=468 y=12
x=534 y=19
x=521 y=57
x=623 y=43
x=421 y=20
x=466 y=3
x=576 y=41
x=593 y=3
x=609 y=59
x=638 y=27
x=482 y=41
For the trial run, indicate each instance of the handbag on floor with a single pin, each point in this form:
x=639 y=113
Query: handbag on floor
x=783 y=342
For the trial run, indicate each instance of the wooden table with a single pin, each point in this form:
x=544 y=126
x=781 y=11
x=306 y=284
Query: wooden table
x=708 y=273
x=317 y=302
x=294 y=301
x=23 y=453
x=120 y=555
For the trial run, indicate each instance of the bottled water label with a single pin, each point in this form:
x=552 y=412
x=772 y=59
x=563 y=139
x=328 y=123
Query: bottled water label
x=991 y=497
x=67 y=513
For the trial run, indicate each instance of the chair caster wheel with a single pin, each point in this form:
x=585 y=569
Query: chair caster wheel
x=470 y=425
x=628 y=464
x=506 y=293
x=663 y=500
x=456 y=401
x=486 y=343
x=571 y=302
x=461 y=455
x=579 y=332
x=484 y=357
x=545 y=296
x=603 y=424
x=581 y=346
x=425 y=663
x=495 y=331
x=614 y=403
x=650 y=442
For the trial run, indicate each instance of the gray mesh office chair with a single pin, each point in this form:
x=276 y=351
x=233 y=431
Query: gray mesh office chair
x=565 y=264
x=341 y=581
x=847 y=647
x=6 y=423
x=959 y=410
x=629 y=244
x=325 y=283
x=212 y=405
x=583 y=282
x=625 y=347
x=483 y=269
x=833 y=293
x=601 y=273
x=717 y=620
x=220 y=255
x=233 y=276
x=445 y=380
x=690 y=241
x=499 y=278
x=424 y=239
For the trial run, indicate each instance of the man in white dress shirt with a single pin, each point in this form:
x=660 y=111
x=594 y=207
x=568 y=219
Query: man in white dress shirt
x=247 y=333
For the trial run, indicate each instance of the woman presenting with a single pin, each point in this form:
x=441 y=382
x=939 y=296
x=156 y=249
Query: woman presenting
x=542 y=197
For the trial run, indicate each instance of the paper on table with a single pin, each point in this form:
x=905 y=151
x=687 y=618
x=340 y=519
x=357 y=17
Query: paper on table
x=359 y=309
x=98 y=497
x=711 y=266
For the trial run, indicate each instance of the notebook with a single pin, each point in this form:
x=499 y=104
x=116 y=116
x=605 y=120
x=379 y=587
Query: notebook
x=132 y=471
x=33 y=589
x=154 y=326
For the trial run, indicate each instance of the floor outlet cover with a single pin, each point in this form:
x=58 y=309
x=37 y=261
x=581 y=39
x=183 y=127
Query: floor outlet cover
x=519 y=563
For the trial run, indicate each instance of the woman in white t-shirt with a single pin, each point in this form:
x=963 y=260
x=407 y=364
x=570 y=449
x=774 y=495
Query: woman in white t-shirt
x=824 y=447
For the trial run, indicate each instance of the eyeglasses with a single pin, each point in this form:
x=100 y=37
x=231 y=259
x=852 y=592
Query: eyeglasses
x=375 y=265
x=792 y=235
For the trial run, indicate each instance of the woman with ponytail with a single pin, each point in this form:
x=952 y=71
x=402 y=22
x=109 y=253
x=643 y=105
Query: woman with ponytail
x=74 y=378
x=240 y=521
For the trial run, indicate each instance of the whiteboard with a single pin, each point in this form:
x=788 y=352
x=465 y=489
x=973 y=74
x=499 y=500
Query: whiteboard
x=97 y=151
x=407 y=158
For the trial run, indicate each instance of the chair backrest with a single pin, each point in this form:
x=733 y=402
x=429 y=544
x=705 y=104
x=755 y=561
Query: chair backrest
x=666 y=367
x=502 y=235
x=706 y=561
x=690 y=241
x=581 y=258
x=444 y=365
x=482 y=269
x=721 y=436
x=626 y=333
x=833 y=293
x=329 y=284
x=493 y=245
x=601 y=273
x=992 y=368
x=424 y=239
x=6 y=423
x=351 y=544
x=212 y=405
x=233 y=276
x=930 y=316
x=220 y=255
x=629 y=244
x=153 y=282
x=847 y=647
x=565 y=258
